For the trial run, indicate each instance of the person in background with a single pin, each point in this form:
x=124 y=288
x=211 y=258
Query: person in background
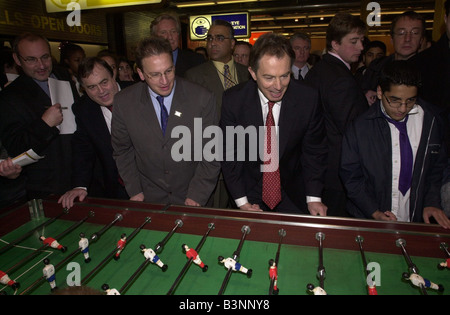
x=372 y=50
x=71 y=57
x=393 y=156
x=167 y=26
x=341 y=98
x=241 y=53
x=301 y=43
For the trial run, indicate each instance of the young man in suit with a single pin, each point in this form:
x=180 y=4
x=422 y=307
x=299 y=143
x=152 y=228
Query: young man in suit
x=29 y=120
x=393 y=156
x=272 y=101
x=341 y=97
x=94 y=170
x=148 y=117
x=167 y=25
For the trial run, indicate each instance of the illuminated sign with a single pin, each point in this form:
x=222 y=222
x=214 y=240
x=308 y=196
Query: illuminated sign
x=200 y=24
x=61 y=5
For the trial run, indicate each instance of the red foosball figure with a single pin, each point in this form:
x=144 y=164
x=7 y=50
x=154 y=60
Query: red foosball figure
x=445 y=264
x=273 y=275
x=192 y=253
x=120 y=246
x=52 y=243
x=6 y=280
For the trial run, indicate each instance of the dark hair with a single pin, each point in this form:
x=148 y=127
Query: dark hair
x=375 y=43
x=399 y=72
x=87 y=66
x=273 y=45
x=447 y=7
x=152 y=46
x=341 y=25
x=412 y=15
x=67 y=49
x=226 y=24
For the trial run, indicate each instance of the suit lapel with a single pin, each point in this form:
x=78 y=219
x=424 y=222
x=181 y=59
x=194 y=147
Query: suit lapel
x=147 y=113
x=288 y=117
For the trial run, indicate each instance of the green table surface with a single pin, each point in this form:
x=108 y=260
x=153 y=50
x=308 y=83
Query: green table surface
x=297 y=265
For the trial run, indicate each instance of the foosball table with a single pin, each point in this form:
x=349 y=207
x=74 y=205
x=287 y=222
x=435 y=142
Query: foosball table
x=131 y=248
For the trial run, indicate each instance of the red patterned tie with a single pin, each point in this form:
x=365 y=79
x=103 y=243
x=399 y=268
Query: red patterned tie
x=271 y=177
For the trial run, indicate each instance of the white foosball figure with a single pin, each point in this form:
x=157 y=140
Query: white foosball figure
x=83 y=244
x=232 y=264
x=49 y=274
x=151 y=255
x=419 y=281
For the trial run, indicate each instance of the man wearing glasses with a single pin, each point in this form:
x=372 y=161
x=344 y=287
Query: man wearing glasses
x=407 y=34
x=29 y=120
x=221 y=72
x=393 y=155
x=145 y=122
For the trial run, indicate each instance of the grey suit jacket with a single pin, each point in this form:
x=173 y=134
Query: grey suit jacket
x=146 y=160
x=206 y=75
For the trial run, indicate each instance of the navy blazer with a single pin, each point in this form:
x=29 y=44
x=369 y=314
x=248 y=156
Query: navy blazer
x=302 y=143
x=366 y=168
x=93 y=163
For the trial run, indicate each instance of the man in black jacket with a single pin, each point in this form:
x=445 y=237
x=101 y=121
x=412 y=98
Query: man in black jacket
x=29 y=120
x=393 y=156
x=94 y=169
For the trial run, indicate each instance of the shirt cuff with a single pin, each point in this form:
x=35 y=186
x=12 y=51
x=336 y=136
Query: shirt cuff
x=313 y=199
x=241 y=201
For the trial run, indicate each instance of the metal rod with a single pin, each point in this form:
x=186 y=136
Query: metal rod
x=31 y=232
x=39 y=250
x=411 y=266
x=94 y=237
x=321 y=274
x=110 y=255
x=371 y=286
x=160 y=246
x=245 y=230
x=282 y=234
x=189 y=262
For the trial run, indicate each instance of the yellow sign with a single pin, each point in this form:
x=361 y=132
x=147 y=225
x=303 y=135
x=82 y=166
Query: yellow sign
x=61 y=5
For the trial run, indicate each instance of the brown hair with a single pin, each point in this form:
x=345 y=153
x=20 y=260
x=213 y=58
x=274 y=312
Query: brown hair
x=272 y=45
x=341 y=25
x=152 y=46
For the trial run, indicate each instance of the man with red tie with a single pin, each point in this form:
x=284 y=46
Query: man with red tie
x=288 y=175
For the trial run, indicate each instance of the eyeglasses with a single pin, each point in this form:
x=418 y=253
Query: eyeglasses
x=33 y=61
x=156 y=76
x=219 y=38
x=397 y=104
x=404 y=32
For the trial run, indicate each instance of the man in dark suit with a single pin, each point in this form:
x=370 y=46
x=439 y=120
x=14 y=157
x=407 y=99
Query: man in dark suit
x=29 y=120
x=393 y=156
x=148 y=117
x=167 y=25
x=94 y=170
x=341 y=97
x=287 y=108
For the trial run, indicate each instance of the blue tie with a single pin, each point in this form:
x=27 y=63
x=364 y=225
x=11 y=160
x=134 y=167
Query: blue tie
x=407 y=159
x=164 y=114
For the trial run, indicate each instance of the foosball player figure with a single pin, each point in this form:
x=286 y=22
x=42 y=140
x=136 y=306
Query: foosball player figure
x=120 y=246
x=6 y=280
x=192 y=253
x=418 y=281
x=151 y=255
x=316 y=290
x=83 y=244
x=49 y=273
x=52 y=243
x=232 y=264
x=445 y=264
x=273 y=274
x=109 y=291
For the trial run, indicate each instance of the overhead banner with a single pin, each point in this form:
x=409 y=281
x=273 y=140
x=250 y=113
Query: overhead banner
x=61 y=5
x=200 y=24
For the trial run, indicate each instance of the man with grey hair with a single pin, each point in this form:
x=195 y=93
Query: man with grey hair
x=167 y=26
x=301 y=44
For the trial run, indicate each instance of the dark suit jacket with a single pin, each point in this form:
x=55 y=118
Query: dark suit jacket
x=302 y=143
x=91 y=143
x=342 y=101
x=206 y=75
x=22 y=105
x=186 y=60
x=144 y=156
x=367 y=164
